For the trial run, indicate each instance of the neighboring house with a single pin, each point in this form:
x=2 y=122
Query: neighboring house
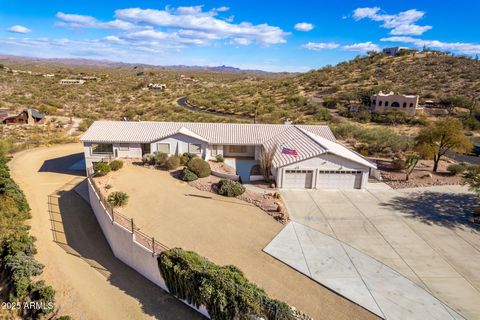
x=305 y=156
x=392 y=101
x=72 y=81
x=157 y=86
x=393 y=51
x=91 y=78
x=27 y=116
x=48 y=75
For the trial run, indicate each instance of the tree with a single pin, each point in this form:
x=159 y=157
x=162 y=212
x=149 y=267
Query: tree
x=410 y=164
x=266 y=160
x=436 y=139
x=472 y=177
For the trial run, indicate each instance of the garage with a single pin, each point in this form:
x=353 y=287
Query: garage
x=298 y=179
x=339 y=179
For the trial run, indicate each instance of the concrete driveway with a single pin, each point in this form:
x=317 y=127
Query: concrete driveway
x=424 y=234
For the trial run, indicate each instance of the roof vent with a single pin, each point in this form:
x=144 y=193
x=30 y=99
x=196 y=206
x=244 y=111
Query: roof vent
x=288 y=122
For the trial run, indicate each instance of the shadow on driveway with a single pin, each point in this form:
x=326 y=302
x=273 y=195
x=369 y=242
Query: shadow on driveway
x=73 y=164
x=445 y=209
x=77 y=231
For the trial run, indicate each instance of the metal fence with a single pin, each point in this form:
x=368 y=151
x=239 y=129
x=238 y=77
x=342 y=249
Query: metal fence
x=126 y=222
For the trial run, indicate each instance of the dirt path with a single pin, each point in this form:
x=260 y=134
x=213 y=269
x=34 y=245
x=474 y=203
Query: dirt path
x=90 y=282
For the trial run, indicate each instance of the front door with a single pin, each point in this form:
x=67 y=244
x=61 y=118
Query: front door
x=145 y=148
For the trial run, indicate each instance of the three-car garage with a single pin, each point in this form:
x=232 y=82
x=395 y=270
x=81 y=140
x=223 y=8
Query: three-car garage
x=322 y=179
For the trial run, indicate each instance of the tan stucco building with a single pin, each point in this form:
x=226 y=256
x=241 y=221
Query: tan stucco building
x=392 y=101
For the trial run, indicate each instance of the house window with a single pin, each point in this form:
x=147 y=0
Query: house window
x=404 y=104
x=380 y=103
x=102 y=148
x=195 y=148
x=163 y=147
x=386 y=103
x=237 y=149
x=411 y=105
x=214 y=151
x=374 y=102
x=124 y=147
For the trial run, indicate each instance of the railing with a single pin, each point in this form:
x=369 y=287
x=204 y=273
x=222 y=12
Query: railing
x=141 y=238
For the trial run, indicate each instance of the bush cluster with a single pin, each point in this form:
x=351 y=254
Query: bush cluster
x=116 y=165
x=223 y=290
x=457 y=168
x=118 y=199
x=100 y=169
x=187 y=175
x=200 y=167
x=160 y=158
x=17 y=249
x=149 y=158
x=219 y=158
x=172 y=163
x=230 y=188
x=186 y=157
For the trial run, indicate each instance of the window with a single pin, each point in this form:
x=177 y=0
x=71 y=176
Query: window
x=195 y=148
x=374 y=102
x=404 y=104
x=380 y=103
x=124 y=147
x=163 y=147
x=411 y=105
x=237 y=149
x=102 y=148
x=214 y=151
x=386 y=103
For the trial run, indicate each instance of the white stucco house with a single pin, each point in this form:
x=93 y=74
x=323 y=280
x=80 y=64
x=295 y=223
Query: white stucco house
x=305 y=156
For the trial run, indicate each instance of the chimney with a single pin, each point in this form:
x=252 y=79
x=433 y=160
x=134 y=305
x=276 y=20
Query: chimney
x=288 y=122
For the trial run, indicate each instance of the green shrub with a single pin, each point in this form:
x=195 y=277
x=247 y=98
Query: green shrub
x=200 y=167
x=116 y=165
x=102 y=168
x=148 y=159
x=230 y=188
x=186 y=157
x=160 y=158
x=117 y=199
x=219 y=158
x=187 y=175
x=456 y=168
x=223 y=290
x=172 y=163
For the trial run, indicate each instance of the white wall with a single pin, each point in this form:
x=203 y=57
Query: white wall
x=179 y=144
x=324 y=162
x=124 y=247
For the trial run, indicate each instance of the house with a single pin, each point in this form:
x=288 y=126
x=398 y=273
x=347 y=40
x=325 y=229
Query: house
x=27 y=116
x=157 y=86
x=72 y=81
x=304 y=156
x=49 y=75
x=393 y=51
x=392 y=101
x=90 y=78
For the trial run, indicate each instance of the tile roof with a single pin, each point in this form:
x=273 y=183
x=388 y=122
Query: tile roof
x=214 y=133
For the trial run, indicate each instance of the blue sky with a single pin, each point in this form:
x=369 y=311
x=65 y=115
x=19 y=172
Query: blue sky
x=270 y=35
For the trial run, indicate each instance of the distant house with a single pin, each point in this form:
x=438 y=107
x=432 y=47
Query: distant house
x=393 y=51
x=27 y=116
x=391 y=101
x=91 y=78
x=157 y=86
x=72 y=81
x=48 y=75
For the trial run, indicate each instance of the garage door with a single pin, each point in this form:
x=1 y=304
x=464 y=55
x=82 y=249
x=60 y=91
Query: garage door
x=339 y=179
x=298 y=179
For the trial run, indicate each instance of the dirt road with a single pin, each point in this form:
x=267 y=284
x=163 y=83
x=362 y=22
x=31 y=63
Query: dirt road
x=90 y=282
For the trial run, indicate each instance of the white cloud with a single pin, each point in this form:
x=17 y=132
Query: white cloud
x=317 y=46
x=460 y=47
x=81 y=21
x=304 y=26
x=194 y=18
x=402 y=23
x=19 y=29
x=361 y=47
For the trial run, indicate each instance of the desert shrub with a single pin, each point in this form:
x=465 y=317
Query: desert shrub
x=148 y=159
x=173 y=162
x=223 y=290
x=187 y=175
x=456 y=168
x=116 y=165
x=219 y=158
x=398 y=164
x=188 y=156
x=102 y=168
x=230 y=188
x=85 y=124
x=160 y=158
x=117 y=199
x=200 y=167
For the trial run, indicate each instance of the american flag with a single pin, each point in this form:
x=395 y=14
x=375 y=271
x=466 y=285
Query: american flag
x=291 y=152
